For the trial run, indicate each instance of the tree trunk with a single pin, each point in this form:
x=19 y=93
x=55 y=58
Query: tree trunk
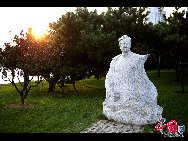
x=26 y=82
x=62 y=82
x=97 y=77
x=182 y=79
x=73 y=83
x=51 y=86
x=159 y=65
x=177 y=73
x=52 y=82
x=22 y=98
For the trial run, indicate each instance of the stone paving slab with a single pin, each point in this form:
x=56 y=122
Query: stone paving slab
x=105 y=126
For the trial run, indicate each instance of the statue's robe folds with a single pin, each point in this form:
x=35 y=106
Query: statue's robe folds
x=131 y=97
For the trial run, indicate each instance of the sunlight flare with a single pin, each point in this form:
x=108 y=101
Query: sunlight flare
x=39 y=32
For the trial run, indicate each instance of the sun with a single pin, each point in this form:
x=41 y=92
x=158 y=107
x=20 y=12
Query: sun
x=39 y=32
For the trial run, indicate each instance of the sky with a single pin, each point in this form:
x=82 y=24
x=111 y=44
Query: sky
x=15 y=19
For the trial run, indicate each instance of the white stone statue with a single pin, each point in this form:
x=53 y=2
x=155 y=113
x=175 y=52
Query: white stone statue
x=131 y=97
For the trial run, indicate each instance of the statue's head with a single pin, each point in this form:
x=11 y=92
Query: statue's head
x=125 y=43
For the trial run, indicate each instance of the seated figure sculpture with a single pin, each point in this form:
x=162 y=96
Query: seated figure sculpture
x=131 y=98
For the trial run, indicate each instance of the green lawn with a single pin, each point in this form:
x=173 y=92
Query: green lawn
x=72 y=112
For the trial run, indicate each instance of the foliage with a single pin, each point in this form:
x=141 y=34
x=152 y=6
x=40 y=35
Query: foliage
x=25 y=57
x=175 y=40
x=67 y=32
x=178 y=34
x=90 y=39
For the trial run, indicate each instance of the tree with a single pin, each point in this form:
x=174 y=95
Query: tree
x=51 y=58
x=25 y=56
x=90 y=39
x=67 y=31
x=99 y=37
x=177 y=37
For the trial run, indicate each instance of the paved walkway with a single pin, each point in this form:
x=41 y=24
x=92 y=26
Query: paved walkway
x=105 y=126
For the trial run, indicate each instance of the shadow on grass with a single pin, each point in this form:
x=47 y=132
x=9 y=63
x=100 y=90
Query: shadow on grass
x=85 y=88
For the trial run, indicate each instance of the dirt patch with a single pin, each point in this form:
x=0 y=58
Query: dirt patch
x=19 y=105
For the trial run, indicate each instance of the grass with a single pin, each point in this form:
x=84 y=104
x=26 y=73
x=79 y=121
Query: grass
x=71 y=112
x=55 y=112
x=174 y=103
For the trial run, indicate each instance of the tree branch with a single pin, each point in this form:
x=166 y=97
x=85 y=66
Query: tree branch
x=31 y=79
x=27 y=90
x=19 y=81
x=12 y=82
x=60 y=87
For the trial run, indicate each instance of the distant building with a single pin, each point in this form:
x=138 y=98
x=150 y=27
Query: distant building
x=156 y=15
